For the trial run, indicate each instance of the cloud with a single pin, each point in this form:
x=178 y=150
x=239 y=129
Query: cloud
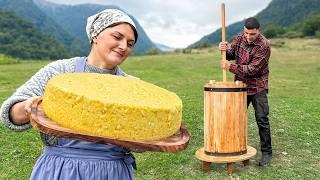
x=181 y=23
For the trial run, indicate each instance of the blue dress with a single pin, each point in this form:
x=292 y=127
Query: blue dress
x=66 y=159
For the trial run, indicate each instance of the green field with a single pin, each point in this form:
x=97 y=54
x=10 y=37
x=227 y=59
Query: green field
x=294 y=98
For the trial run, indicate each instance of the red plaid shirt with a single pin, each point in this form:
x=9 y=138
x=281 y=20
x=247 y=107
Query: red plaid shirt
x=252 y=62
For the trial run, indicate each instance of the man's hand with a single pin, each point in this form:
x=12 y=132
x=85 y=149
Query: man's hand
x=225 y=64
x=223 y=46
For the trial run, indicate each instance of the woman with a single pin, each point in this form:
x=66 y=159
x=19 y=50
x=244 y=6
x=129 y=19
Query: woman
x=112 y=35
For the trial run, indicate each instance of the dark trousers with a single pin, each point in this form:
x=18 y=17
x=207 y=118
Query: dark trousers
x=261 y=109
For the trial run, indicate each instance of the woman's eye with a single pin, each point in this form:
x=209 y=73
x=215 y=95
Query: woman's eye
x=117 y=37
x=130 y=44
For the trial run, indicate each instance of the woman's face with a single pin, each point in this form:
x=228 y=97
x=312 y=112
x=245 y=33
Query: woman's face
x=114 y=44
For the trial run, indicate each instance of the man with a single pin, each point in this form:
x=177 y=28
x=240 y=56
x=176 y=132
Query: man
x=251 y=52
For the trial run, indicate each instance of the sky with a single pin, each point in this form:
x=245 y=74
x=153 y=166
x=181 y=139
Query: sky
x=178 y=24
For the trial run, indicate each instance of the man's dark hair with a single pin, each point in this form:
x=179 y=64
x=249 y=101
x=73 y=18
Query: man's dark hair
x=252 y=23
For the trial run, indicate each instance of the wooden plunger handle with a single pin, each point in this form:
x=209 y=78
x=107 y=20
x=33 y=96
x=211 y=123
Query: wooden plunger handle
x=223 y=39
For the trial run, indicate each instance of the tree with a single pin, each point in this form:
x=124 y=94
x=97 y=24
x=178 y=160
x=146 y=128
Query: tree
x=272 y=31
x=311 y=26
x=20 y=38
x=153 y=51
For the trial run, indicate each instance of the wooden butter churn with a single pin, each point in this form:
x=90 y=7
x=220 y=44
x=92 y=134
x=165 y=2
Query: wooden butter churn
x=225 y=121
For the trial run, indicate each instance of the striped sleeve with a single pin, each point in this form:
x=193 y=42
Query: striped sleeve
x=33 y=87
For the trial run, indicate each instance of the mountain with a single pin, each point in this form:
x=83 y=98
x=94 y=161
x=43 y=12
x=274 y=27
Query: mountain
x=73 y=19
x=20 y=38
x=281 y=13
x=30 y=11
x=165 y=48
x=66 y=24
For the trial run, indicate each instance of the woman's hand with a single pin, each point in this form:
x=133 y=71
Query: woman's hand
x=20 y=112
x=28 y=104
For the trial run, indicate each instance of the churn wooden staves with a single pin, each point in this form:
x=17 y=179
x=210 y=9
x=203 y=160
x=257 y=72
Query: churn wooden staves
x=225 y=121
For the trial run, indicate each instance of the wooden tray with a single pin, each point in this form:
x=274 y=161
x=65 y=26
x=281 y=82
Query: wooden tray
x=174 y=143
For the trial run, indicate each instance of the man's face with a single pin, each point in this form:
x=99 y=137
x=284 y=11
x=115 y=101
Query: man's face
x=250 y=34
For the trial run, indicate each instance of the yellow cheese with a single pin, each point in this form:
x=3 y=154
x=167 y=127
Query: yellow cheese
x=112 y=106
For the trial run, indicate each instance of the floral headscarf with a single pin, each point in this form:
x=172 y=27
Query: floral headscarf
x=100 y=21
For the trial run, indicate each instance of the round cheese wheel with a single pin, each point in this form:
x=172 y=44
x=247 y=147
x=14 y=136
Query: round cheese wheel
x=112 y=106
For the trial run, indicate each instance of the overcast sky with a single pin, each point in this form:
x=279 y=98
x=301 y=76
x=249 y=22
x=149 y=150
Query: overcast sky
x=181 y=23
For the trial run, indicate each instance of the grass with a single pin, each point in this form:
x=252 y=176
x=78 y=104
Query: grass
x=294 y=115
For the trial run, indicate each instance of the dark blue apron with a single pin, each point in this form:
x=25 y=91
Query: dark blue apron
x=68 y=148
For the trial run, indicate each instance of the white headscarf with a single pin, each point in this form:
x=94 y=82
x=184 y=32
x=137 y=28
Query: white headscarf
x=98 y=22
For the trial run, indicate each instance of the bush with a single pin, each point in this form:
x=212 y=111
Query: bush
x=153 y=51
x=277 y=43
x=186 y=51
x=317 y=34
x=311 y=26
x=272 y=31
x=4 y=59
x=292 y=34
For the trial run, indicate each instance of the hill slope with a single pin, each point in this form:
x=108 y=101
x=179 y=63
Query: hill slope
x=20 y=38
x=73 y=18
x=281 y=13
x=67 y=23
x=28 y=10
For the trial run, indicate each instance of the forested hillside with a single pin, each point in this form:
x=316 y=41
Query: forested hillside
x=22 y=39
x=279 y=15
x=62 y=24
x=73 y=19
x=28 y=10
